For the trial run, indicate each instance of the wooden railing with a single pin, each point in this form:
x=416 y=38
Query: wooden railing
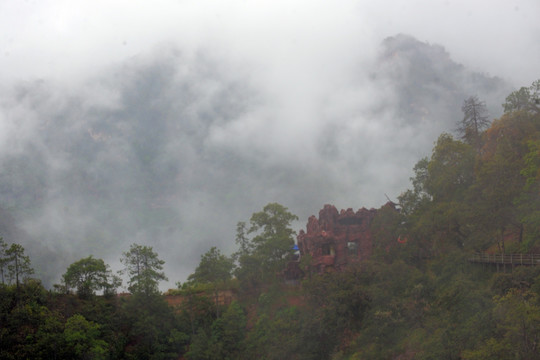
x=506 y=259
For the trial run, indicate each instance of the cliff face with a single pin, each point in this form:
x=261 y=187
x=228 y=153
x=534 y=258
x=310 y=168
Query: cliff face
x=336 y=239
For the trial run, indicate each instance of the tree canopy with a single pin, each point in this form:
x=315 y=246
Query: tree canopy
x=526 y=99
x=144 y=269
x=18 y=264
x=214 y=267
x=89 y=275
x=475 y=121
x=272 y=241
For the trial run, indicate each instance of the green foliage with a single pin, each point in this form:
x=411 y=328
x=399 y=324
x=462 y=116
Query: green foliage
x=153 y=331
x=522 y=278
x=450 y=170
x=88 y=275
x=473 y=197
x=416 y=198
x=526 y=99
x=144 y=269
x=196 y=311
x=82 y=338
x=267 y=252
x=500 y=183
x=278 y=337
x=399 y=296
x=517 y=316
x=214 y=267
x=228 y=333
x=29 y=329
x=199 y=348
x=338 y=303
x=195 y=287
x=437 y=209
x=457 y=300
x=386 y=228
x=527 y=201
x=225 y=339
x=274 y=238
x=18 y=264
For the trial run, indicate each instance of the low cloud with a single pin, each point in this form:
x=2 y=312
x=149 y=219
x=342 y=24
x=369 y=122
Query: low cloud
x=172 y=148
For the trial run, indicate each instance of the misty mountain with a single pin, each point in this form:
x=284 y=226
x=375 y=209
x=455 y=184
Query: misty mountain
x=171 y=150
x=430 y=87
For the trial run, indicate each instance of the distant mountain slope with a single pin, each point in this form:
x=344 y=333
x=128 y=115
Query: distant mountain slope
x=430 y=87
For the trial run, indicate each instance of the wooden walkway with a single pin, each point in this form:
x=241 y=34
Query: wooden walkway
x=506 y=259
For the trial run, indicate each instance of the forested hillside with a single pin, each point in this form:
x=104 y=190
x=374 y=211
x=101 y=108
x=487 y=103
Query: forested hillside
x=417 y=297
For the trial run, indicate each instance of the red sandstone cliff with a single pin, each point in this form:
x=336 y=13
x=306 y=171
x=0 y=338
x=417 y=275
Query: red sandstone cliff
x=337 y=238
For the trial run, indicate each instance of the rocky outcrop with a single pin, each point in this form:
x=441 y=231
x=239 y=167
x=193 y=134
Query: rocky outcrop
x=336 y=239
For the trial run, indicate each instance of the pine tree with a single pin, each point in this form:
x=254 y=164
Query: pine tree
x=18 y=264
x=475 y=120
x=4 y=260
x=144 y=269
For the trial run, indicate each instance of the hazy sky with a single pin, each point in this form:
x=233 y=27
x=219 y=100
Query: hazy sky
x=257 y=101
x=70 y=40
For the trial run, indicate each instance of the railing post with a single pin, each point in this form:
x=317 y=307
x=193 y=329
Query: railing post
x=512 y=259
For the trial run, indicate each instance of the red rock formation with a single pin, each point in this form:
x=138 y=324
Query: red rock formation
x=337 y=239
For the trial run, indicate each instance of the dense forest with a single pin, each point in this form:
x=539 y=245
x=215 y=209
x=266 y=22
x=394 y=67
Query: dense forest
x=416 y=298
